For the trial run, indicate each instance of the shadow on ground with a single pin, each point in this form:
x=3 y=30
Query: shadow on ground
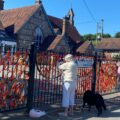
x=112 y=113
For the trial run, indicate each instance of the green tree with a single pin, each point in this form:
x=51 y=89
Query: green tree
x=117 y=35
x=106 y=35
x=90 y=37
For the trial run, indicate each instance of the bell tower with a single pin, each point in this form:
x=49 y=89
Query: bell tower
x=70 y=15
x=38 y=2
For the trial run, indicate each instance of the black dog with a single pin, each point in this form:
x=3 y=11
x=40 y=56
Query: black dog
x=94 y=99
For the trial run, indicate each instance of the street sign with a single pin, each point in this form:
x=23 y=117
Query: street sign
x=85 y=62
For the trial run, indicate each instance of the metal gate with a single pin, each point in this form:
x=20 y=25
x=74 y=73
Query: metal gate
x=14 y=70
x=32 y=80
x=45 y=87
x=107 y=80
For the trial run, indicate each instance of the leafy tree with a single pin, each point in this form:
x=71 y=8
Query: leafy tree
x=117 y=35
x=89 y=37
x=106 y=35
x=92 y=37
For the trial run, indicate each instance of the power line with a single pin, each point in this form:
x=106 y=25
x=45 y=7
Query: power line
x=70 y=3
x=85 y=22
x=89 y=11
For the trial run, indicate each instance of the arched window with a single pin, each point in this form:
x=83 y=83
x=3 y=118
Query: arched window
x=38 y=37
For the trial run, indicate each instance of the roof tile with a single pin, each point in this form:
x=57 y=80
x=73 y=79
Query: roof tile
x=83 y=47
x=71 y=31
x=55 y=42
x=109 y=44
x=1 y=26
x=17 y=17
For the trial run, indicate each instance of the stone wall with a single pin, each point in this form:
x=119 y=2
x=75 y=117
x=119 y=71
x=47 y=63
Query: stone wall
x=26 y=35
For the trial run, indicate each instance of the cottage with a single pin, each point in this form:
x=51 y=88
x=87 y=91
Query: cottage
x=86 y=48
x=109 y=46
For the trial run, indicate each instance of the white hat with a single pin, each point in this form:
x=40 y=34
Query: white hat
x=68 y=57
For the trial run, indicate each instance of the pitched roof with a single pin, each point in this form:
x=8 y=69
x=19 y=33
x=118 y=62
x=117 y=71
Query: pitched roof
x=71 y=32
x=109 y=44
x=14 y=19
x=55 y=42
x=1 y=26
x=17 y=17
x=84 y=47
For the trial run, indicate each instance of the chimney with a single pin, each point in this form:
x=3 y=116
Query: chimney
x=38 y=2
x=65 y=25
x=1 y=4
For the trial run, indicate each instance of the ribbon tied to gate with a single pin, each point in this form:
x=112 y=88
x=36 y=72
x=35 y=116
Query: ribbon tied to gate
x=46 y=66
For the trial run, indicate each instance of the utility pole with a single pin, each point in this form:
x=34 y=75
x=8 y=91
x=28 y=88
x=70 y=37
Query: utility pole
x=100 y=30
x=102 y=25
x=97 y=34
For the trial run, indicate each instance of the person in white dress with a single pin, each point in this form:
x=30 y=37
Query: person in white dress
x=69 y=71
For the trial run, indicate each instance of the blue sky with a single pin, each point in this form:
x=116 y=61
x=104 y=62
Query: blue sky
x=109 y=10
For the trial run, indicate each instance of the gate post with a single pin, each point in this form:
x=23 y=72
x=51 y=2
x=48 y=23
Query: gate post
x=32 y=60
x=94 y=73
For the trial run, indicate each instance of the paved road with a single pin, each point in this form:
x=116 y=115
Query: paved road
x=112 y=113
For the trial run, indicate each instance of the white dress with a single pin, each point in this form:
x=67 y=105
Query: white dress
x=69 y=82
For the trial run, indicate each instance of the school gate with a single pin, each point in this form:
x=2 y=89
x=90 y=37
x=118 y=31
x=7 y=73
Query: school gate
x=94 y=73
x=30 y=79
